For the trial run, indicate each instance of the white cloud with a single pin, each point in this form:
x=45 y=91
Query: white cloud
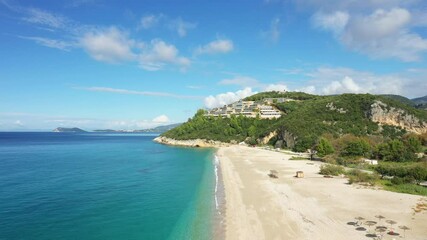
x=19 y=123
x=227 y=98
x=276 y=87
x=158 y=53
x=133 y=92
x=378 y=32
x=327 y=80
x=334 y=22
x=177 y=25
x=52 y=43
x=42 y=17
x=215 y=47
x=161 y=119
x=111 y=45
x=181 y=26
x=243 y=81
x=273 y=34
x=307 y=89
x=150 y=21
x=346 y=85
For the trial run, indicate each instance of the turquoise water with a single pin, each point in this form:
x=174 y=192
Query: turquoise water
x=103 y=186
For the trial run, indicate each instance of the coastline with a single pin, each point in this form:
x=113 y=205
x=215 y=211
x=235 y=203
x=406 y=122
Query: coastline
x=313 y=207
x=190 y=143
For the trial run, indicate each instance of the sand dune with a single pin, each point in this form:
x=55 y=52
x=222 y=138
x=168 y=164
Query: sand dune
x=313 y=207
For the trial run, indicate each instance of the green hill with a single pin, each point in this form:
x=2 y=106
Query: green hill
x=308 y=118
x=420 y=100
x=401 y=99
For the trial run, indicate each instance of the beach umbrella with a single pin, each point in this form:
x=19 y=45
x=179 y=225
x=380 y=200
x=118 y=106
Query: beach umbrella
x=380 y=217
x=370 y=224
x=404 y=228
x=359 y=219
x=381 y=230
x=381 y=227
x=391 y=222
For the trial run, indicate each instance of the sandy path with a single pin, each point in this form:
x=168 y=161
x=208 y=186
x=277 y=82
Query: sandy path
x=314 y=207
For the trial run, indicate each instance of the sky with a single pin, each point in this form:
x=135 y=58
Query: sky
x=99 y=64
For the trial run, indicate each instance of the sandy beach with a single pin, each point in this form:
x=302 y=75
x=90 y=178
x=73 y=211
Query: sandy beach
x=313 y=207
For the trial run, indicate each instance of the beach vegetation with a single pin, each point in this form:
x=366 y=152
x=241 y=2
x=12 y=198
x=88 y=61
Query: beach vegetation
x=402 y=187
x=324 y=147
x=359 y=176
x=331 y=169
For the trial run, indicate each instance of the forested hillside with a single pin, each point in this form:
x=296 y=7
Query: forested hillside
x=309 y=117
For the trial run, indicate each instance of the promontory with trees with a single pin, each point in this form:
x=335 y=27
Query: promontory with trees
x=343 y=130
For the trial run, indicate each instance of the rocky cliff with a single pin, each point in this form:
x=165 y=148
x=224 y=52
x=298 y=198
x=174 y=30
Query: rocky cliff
x=190 y=143
x=383 y=114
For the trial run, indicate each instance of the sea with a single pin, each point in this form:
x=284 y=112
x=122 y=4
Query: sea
x=105 y=186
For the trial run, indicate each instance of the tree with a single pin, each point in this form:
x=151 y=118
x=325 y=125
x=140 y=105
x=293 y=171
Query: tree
x=413 y=143
x=357 y=148
x=252 y=131
x=324 y=147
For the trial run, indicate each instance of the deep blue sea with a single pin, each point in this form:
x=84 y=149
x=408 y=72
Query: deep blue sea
x=103 y=186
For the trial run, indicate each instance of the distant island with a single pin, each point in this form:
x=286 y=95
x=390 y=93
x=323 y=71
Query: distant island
x=159 y=129
x=70 y=130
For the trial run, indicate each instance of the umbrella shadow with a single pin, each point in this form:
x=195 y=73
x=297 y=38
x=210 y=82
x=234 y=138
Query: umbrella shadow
x=371 y=235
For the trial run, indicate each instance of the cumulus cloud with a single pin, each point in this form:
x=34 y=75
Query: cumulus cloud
x=158 y=53
x=380 y=29
x=215 y=47
x=328 y=80
x=227 y=98
x=276 y=87
x=347 y=85
x=111 y=45
x=161 y=119
x=385 y=34
x=307 y=89
x=334 y=22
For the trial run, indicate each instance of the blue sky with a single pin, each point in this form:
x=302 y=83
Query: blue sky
x=138 y=64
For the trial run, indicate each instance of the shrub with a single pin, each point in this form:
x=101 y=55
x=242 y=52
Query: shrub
x=360 y=147
x=404 y=180
x=329 y=169
x=415 y=171
x=357 y=176
x=324 y=148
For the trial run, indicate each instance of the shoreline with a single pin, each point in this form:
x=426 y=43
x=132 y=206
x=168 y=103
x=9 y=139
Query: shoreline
x=313 y=207
x=219 y=202
x=202 y=143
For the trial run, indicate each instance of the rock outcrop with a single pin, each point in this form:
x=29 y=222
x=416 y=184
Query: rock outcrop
x=190 y=143
x=267 y=138
x=383 y=114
